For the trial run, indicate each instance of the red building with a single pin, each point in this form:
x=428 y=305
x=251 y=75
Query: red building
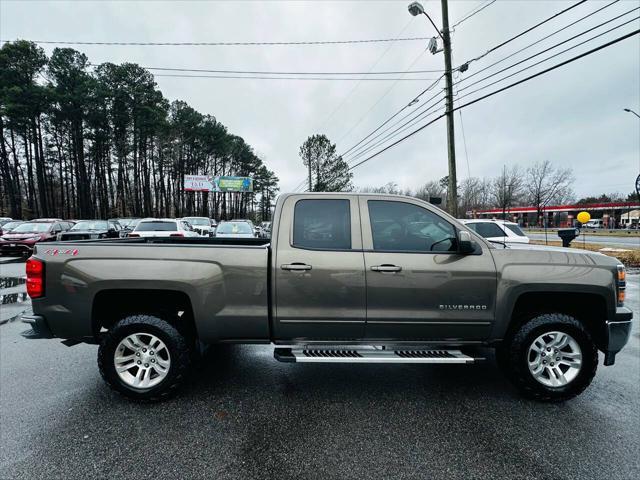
x=561 y=215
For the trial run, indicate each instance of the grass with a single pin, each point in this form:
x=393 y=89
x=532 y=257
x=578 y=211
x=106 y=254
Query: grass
x=595 y=233
x=630 y=257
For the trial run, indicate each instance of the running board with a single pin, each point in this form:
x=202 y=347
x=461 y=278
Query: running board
x=370 y=355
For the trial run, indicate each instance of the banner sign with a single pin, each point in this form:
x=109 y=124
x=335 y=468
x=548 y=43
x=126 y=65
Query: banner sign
x=199 y=183
x=234 y=184
x=208 y=183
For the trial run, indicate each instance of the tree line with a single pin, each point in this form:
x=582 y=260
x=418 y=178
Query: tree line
x=83 y=141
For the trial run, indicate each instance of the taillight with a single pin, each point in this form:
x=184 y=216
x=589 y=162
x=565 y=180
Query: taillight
x=621 y=284
x=177 y=235
x=35 y=278
x=133 y=235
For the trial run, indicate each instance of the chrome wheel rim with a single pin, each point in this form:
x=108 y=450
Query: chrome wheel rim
x=142 y=360
x=554 y=359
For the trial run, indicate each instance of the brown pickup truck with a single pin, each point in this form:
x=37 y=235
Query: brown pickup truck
x=345 y=278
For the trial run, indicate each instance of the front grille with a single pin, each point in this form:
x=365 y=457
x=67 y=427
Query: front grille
x=331 y=353
x=75 y=236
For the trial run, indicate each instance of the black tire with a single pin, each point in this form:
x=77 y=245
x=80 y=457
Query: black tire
x=512 y=357
x=178 y=347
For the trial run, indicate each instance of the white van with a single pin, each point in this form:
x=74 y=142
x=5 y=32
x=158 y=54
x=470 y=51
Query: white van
x=594 y=223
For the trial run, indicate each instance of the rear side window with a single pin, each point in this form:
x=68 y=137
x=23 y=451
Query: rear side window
x=487 y=229
x=515 y=229
x=156 y=227
x=322 y=224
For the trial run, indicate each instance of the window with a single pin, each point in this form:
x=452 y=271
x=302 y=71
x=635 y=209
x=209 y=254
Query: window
x=322 y=224
x=156 y=226
x=487 y=229
x=400 y=226
x=515 y=229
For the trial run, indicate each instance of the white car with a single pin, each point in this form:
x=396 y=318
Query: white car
x=201 y=225
x=163 y=227
x=235 y=229
x=497 y=230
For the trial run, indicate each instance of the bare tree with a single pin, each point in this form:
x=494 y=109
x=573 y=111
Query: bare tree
x=546 y=184
x=474 y=194
x=507 y=189
x=433 y=188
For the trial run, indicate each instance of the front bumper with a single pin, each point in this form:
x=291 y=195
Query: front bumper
x=39 y=327
x=618 y=333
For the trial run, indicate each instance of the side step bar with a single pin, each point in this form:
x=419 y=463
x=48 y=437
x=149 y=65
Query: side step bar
x=371 y=355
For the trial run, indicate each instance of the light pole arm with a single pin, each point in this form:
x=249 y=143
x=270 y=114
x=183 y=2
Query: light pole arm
x=434 y=25
x=631 y=111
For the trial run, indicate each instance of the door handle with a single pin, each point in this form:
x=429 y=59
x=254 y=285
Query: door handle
x=386 y=268
x=296 y=267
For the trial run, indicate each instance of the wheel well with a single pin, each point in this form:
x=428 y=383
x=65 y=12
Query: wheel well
x=588 y=308
x=111 y=306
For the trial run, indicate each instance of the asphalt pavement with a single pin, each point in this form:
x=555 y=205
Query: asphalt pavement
x=244 y=415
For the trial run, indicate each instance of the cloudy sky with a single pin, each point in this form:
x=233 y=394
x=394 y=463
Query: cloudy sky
x=572 y=116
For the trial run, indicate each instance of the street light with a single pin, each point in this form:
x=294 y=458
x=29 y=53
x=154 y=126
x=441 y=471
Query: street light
x=631 y=111
x=415 y=9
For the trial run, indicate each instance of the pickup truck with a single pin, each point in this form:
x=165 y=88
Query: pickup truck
x=354 y=278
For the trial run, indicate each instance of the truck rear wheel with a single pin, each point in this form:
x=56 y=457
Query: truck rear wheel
x=550 y=358
x=144 y=358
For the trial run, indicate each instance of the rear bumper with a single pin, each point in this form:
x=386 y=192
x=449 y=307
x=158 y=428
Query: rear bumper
x=39 y=327
x=618 y=333
x=10 y=249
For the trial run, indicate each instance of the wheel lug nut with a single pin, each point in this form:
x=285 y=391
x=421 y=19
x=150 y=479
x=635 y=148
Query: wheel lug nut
x=151 y=352
x=543 y=361
x=137 y=354
x=552 y=364
x=548 y=349
x=557 y=359
x=144 y=349
x=153 y=360
x=139 y=362
x=147 y=365
x=544 y=354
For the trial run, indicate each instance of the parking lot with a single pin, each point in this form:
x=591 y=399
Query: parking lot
x=244 y=415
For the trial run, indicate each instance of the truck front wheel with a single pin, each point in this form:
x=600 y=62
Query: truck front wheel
x=144 y=358
x=551 y=357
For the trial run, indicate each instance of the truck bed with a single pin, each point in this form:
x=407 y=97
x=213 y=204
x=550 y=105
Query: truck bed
x=224 y=282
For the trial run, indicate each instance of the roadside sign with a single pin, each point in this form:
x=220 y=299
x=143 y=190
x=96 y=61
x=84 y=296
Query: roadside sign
x=199 y=183
x=208 y=183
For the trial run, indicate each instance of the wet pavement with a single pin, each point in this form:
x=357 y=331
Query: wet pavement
x=243 y=415
x=13 y=291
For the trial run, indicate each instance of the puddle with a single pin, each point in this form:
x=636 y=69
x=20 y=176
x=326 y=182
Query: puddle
x=8 y=282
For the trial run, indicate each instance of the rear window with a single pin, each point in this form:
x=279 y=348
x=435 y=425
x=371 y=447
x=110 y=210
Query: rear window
x=235 y=228
x=156 y=227
x=487 y=229
x=515 y=229
x=322 y=224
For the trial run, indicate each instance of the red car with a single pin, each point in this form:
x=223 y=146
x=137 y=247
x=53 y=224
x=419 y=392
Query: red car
x=22 y=239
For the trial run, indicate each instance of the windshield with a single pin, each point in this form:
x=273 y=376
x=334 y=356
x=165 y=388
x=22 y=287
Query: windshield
x=198 y=221
x=10 y=225
x=90 y=225
x=515 y=229
x=236 y=227
x=156 y=226
x=32 y=227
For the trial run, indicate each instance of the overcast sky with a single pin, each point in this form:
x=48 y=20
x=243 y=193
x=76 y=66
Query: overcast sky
x=572 y=116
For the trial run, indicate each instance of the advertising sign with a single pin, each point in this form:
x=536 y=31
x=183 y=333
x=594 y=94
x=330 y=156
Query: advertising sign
x=199 y=183
x=208 y=183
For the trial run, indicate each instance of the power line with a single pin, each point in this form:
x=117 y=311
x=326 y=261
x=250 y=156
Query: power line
x=229 y=44
x=268 y=72
x=511 y=39
x=472 y=12
x=543 y=72
x=254 y=77
x=539 y=40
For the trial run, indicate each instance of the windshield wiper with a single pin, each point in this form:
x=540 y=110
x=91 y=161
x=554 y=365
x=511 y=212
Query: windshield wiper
x=504 y=244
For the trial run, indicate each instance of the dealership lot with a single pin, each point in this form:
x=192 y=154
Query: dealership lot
x=244 y=415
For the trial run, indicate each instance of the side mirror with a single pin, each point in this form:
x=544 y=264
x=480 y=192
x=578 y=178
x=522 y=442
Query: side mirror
x=465 y=242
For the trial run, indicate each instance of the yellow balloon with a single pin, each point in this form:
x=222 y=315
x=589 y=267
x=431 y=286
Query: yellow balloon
x=584 y=217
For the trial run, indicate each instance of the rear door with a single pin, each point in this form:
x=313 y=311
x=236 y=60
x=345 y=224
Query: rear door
x=418 y=286
x=319 y=270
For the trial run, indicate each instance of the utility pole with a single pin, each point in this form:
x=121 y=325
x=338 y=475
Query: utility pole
x=451 y=144
x=415 y=9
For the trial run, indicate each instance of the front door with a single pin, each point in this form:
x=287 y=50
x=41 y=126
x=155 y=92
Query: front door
x=418 y=286
x=319 y=270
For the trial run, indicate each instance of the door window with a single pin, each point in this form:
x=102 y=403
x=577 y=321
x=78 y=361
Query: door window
x=487 y=229
x=400 y=226
x=322 y=224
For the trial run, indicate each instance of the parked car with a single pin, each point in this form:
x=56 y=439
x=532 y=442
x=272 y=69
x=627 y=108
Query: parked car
x=7 y=227
x=235 y=229
x=127 y=224
x=91 y=230
x=266 y=229
x=355 y=278
x=497 y=230
x=594 y=223
x=4 y=220
x=163 y=227
x=22 y=238
x=201 y=225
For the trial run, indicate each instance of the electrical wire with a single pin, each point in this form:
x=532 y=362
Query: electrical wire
x=267 y=72
x=258 y=77
x=230 y=44
x=472 y=12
